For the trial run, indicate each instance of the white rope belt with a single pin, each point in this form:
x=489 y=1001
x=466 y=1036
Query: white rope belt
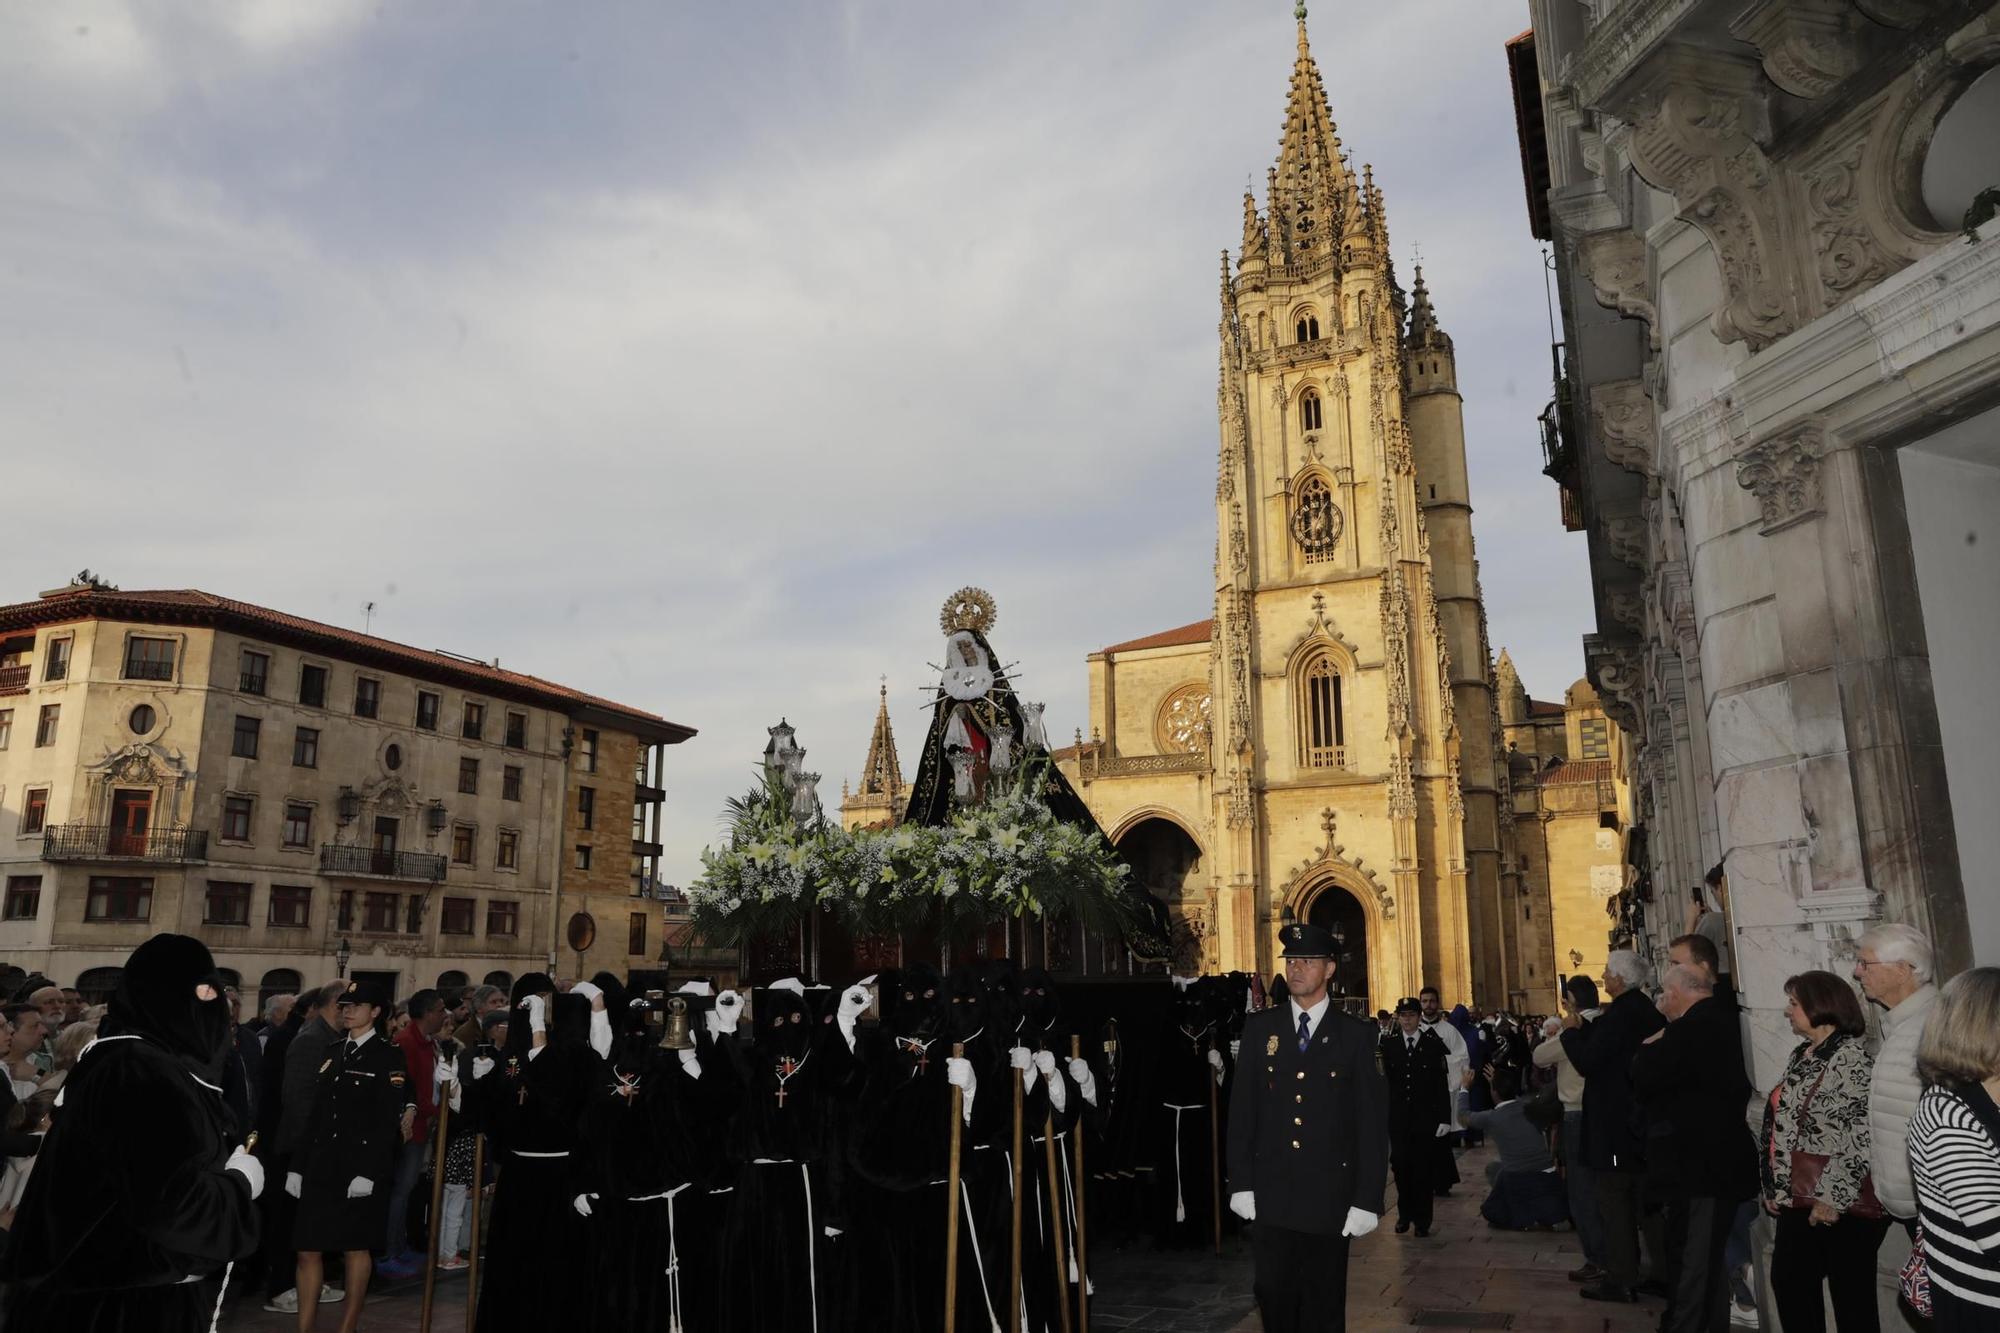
x=519 y=1153
x=1180 y=1206
x=812 y=1231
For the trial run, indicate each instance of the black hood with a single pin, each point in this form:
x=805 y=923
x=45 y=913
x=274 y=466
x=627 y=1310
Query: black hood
x=519 y=1039
x=915 y=1003
x=569 y=1021
x=784 y=1025
x=1195 y=1007
x=1039 y=1002
x=968 y=1013
x=1003 y=997
x=155 y=999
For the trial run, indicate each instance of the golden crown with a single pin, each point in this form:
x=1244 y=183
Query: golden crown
x=968 y=608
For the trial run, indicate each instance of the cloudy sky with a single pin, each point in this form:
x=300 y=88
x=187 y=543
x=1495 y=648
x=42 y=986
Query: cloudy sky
x=692 y=353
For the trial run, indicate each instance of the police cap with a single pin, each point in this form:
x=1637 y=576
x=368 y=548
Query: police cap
x=365 y=992
x=1302 y=939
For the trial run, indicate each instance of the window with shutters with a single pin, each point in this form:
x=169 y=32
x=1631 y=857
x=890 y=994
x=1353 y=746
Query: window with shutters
x=1322 y=726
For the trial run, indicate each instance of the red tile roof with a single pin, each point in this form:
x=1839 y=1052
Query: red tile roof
x=190 y=606
x=1199 y=632
x=1576 y=771
x=1543 y=708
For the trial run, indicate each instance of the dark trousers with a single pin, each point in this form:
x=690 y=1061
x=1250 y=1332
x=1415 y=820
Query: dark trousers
x=1698 y=1233
x=1301 y=1280
x=1414 y=1160
x=1582 y=1184
x=1807 y=1261
x=1621 y=1203
x=410 y=1159
x=280 y=1263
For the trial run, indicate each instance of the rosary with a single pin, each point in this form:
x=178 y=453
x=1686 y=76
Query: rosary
x=628 y=1087
x=786 y=1068
x=920 y=1049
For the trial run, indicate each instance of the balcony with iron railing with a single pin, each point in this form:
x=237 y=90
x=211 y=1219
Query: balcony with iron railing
x=14 y=680
x=368 y=863
x=105 y=842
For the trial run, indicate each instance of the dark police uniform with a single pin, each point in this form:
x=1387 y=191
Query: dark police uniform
x=1308 y=1135
x=1417 y=1106
x=356 y=1127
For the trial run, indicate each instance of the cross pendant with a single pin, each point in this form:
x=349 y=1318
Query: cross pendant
x=781 y=1094
x=521 y=1098
x=923 y=1061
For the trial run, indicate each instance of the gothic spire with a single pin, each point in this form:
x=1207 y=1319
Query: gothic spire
x=1310 y=187
x=1424 y=331
x=882 y=774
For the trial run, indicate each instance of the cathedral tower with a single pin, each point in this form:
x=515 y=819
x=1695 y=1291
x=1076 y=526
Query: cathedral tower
x=1350 y=770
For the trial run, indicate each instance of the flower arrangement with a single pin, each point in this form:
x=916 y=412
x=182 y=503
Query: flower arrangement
x=1009 y=856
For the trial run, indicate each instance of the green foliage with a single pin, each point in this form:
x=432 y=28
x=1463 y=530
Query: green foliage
x=1008 y=857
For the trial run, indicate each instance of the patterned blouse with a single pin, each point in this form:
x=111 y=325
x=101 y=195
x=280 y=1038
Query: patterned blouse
x=1832 y=1121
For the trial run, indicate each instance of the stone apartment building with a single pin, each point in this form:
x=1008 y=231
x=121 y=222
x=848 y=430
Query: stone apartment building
x=1774 y=418
x=306 y=799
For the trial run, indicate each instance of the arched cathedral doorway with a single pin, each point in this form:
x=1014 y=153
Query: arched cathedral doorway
x=1166 y=863
x=1339 y=911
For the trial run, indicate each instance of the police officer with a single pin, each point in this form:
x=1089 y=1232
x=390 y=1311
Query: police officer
x=1413 y=1059
x=363 y=1109
x=1308 y=1141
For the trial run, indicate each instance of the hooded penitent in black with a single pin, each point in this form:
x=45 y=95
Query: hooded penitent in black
x=130 y=1197
x=777 y=1262
x=1184 y=1124
x=1042 y=1030
x=530 y=1104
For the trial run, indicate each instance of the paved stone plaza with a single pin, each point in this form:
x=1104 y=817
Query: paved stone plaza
x=1464 y=1276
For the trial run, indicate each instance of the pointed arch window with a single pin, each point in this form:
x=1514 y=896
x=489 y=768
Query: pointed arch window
x=1307 y=327
x=1311 y=417
x=1321 y=718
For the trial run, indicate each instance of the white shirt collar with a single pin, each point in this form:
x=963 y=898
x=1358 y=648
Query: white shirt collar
x=361 y=1040
x=1314 y=1014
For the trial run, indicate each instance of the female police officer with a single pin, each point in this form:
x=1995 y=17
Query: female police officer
x=362 y=1110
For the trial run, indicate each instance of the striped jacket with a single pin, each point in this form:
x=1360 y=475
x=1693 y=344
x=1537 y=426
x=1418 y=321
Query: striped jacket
x=1955 y=1160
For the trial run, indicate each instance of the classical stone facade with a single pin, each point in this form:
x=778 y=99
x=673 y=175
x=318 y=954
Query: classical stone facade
x=1780 y=350
x=1325 y=746
x=177 y=761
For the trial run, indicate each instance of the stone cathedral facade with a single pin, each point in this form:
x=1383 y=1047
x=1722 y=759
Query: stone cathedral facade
x=1326 y=746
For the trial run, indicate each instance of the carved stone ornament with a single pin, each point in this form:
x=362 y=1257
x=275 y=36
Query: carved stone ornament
x=1183 y=725
x=1808 y=46
x=1623 y=421
x=1783 y=471
x=1616 y=264
x=1617 y=671
x=1628 y=539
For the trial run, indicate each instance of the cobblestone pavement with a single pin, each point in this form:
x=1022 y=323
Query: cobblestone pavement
x=1465 y=1276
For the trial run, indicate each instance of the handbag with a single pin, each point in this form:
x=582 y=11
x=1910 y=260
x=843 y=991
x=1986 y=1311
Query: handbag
x=1916 y=1280
x=1808 y=1167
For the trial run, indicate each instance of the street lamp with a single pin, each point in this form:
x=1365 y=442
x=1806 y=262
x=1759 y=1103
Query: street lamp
x=340 y=957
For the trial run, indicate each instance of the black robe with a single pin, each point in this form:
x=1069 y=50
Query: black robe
x=129 y=1201
x=1040 y=1260
x=535 y=1251
x=1186 y=1129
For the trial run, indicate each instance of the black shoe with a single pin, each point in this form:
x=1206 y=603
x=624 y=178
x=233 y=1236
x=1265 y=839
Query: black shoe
x=1401 y=1227
x=1423 y=1233
x=1652 y=1286
x=1587 y=1273
x=1608 y=1291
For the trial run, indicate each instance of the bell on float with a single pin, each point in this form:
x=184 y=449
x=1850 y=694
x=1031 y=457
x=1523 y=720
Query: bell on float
x=678 y=1037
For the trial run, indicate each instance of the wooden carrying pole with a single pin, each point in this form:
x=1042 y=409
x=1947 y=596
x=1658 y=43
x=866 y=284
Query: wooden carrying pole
x=1215 y=1158
x=1055 y=1218
x=443 y=1129
x=477 y=1192
x=951 y=1199
x=1082 y=1245
x=1014 y=1268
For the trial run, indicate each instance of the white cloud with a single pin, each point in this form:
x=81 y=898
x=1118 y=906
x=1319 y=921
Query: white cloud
x=691 y=356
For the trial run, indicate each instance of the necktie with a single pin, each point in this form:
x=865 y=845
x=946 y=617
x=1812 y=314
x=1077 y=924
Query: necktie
x=1413 y=1045
x=352 y=1047
x=1305 y=1032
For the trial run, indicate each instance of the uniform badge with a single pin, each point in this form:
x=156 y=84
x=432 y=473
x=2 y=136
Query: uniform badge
x=328 y=1065
x=1271 y=1046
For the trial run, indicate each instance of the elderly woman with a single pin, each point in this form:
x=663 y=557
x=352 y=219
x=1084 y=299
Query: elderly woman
x=1815 y=1164
x=1955 y=1152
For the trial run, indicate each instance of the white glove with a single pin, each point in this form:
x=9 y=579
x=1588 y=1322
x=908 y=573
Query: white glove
x=1215 y=1063
x=294 y=1182
x=1360 y=1223
x=852 y=1001
x=537 y=1018
x=690 y=1063
x=1046 y=1062
x=1243 y=1203
x=1236 y=1048
x=600 y=1029
x=958 y=1073
x=1022 y=1059
x=1442 y=1131
x=360 y=1187
x=589 y=992
x=1086 y=1082
x=832 y=1233
x=1058 y=1090
x=728 y=1011
x=248 y=1167
x=447 y=1071
x=582 y=1201
x=454 y=1099
x=482 y=1065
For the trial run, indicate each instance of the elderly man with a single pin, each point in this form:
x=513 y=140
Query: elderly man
x=484 y=1000
x=1579 y=997
x=49 y=1000
x=1893 y=964
x=1700 y=1156
x=1602 y=1052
